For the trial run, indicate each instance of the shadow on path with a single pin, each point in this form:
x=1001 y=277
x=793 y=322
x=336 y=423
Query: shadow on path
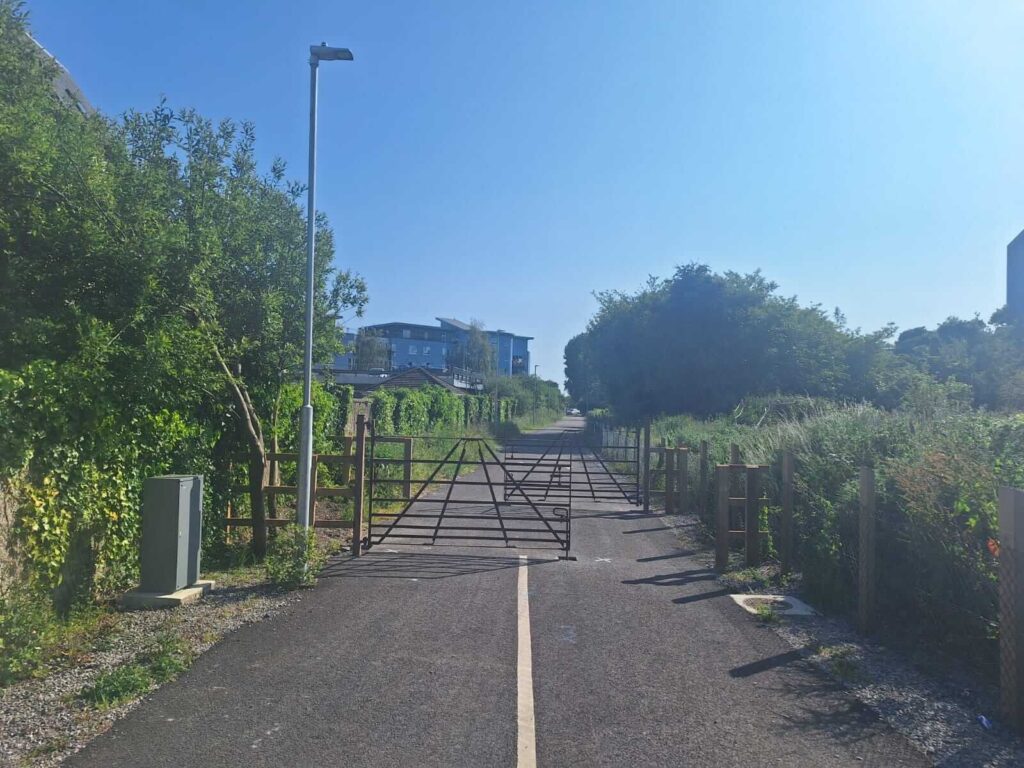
x=676 y=579
x=422 y=565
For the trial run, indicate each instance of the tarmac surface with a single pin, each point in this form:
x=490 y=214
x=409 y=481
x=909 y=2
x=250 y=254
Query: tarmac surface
x=407 y=656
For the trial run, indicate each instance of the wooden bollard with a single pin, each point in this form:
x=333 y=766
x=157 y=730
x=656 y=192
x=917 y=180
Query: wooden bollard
x=866 y=552
x=670 y=478
x=1011 y=605
x=682 y=496
x=752 y=522
x=647 y=467
x=786 y=526
x=722 y=473
x=702 y=488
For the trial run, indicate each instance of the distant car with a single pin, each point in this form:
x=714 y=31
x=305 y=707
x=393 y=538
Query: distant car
x=573 y=412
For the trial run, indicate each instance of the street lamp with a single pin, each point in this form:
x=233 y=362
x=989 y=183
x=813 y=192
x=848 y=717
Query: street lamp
x=317 y=53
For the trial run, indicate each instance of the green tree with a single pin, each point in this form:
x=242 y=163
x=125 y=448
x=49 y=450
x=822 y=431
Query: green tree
x=371 y=350
x=151 y=304
x=475 y=352
x=700 y=342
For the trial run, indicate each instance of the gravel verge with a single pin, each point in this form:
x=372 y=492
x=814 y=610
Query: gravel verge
x=952 y=718
x=42 y=721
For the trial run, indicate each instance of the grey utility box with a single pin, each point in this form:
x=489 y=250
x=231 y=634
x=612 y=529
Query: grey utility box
x=172 y=520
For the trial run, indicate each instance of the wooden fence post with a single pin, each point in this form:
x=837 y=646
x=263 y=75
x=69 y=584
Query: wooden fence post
x=1011 y=605
x=786 y=524
x=357 y=493
x=670 y=479
x=702 y=488
x=866 y=552
x=682 y=481
x=752 y=523
x=722 y=518
x=407 y=468
x=734 y=453
x=647 y=467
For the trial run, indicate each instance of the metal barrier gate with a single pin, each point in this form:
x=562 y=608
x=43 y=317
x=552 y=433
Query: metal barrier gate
x=471 y=496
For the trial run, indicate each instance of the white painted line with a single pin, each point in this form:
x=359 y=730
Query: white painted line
x=526 y=742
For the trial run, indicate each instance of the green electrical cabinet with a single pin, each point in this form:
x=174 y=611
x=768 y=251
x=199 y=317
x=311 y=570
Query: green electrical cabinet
x=172 y=519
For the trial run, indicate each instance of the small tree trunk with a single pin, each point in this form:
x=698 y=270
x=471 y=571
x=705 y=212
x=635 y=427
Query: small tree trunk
x=259 y=477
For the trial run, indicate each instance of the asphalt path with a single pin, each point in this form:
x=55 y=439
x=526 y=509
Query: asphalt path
x=408 y=656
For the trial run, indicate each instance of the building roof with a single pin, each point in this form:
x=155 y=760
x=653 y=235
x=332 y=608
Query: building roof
x=466 y=327
x=454 y=323
x=414 y=378
x=403 y=325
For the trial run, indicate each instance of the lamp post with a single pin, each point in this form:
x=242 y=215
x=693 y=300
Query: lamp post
x=317 y=53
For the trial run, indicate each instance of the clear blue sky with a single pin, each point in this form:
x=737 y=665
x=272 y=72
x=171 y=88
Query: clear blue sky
x=502 y=160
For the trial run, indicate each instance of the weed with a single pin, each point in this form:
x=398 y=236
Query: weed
x=295 y=558
x=118 y=685
x=841 y=662
x=765 y=613
x=168 y=658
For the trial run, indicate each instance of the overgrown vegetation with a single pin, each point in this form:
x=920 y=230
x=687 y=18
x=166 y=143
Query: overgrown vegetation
x=723 y=358
x=151 y=307
x=938 y=466
x=295 y=557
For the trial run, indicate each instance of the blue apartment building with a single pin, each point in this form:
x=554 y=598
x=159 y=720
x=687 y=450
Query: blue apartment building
x=438 y=347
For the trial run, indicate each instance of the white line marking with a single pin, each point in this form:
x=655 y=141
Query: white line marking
x=526 y=743
x=602 y=559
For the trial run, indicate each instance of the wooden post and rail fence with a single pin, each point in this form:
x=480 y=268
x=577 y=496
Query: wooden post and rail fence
x=352 y=462
x=739 y=496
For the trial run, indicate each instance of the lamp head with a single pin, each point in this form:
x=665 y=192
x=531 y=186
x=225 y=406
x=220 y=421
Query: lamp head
x=324 y=52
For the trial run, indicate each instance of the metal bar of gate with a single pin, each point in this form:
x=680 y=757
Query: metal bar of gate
x=414 y=499
x=494 y=496
x=528 y=499
x=448 y=496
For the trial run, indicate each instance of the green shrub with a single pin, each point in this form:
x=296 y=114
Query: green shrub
x=412 y=408
x=446 y=409
x=383 y=412
x=294 y=558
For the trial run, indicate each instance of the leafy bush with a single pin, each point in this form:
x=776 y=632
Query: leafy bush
x=295 y=558
x=383 y=412
x=446 y=408
x=412 y=409
x=326 y=417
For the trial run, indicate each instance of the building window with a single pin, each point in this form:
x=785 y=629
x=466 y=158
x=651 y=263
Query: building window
x=426 y=350
x=412 y=349
x=406 y=333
